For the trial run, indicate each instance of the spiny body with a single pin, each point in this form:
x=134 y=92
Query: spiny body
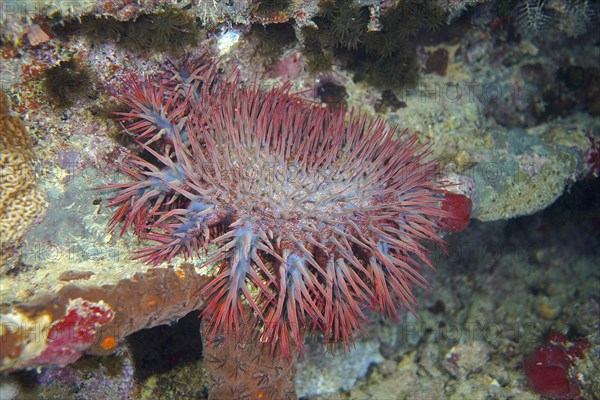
x=313 y=215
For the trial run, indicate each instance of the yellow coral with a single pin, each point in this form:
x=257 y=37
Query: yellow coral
x=20 y=202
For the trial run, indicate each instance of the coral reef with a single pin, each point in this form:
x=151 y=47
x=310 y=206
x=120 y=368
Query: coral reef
x=511 y=114
x=20 y=201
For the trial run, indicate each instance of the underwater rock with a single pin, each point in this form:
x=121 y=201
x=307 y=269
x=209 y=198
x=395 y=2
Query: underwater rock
x=60 y=328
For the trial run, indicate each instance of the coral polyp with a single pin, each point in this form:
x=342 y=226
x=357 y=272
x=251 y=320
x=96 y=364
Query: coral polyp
x=314 y=216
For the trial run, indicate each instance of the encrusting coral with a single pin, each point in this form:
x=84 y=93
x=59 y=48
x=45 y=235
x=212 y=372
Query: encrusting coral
x=20 y=202
x=313 y=215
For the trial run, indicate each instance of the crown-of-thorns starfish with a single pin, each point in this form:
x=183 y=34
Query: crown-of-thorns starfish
x=313 y=215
